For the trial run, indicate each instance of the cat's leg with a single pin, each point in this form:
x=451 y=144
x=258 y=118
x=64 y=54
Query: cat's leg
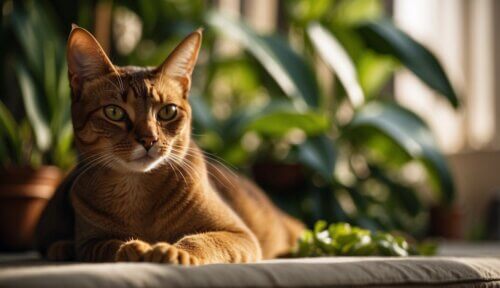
x=206 y=248
x=102 y=250
x=132 y=251
x=163 y=252
x=222 y=247
x=62 y=250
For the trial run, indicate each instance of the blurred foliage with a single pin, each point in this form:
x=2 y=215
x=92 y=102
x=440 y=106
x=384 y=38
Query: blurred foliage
x=44 y=134
x=342 y=239
x=258 y=99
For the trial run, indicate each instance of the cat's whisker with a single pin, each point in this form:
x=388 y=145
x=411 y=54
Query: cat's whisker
x=120 y=82
x=175 y=173
x=94 y=162
x=120 y=89
x=180 y=172
x=107 y=162
x=184 y=166
x=91 y=165
x=223 y=175
x=209 y=173
x=215 y=158
x=89 y=160
x=193 y=152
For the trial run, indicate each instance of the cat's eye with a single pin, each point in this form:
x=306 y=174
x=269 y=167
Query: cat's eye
x=114 y=113
x=167 y=113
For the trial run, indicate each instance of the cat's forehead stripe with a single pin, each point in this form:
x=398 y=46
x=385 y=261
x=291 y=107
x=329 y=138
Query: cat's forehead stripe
x=124 y=95
x=153 y=94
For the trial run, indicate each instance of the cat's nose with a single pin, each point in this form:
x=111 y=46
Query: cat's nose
x=147 y=141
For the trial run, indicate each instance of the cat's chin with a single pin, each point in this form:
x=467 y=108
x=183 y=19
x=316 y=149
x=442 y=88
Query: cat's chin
x=143 y=165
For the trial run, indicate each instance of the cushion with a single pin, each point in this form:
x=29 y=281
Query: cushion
x=305 y=272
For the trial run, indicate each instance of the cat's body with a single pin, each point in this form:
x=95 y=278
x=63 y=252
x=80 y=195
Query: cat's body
x=144 y=191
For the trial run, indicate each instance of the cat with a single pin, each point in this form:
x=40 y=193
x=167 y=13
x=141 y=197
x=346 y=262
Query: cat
x=144 y=191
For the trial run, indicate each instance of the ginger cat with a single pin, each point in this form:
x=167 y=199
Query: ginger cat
x=143 y=190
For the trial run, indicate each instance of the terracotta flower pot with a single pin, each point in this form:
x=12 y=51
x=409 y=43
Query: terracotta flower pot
x=446 y=222
x=279 y=177
x=24 y=192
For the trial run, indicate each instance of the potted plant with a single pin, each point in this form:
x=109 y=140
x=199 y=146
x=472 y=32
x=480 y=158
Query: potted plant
x=268 y=110
x=35 y=151
x=356 y=145
x=357 y=142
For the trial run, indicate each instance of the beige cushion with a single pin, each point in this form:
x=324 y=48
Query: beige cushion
x=308 y=272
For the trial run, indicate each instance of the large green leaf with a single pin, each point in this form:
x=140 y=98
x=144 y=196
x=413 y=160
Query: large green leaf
x=202 y=115
x=374 y=72
x=61 y=116
x=351 y=12
x=33 y=108
x=338 y=60
x=383 y=37
x=63 y=155
x=304 y=11
x=8 y=134
x=279 y=123
x=8 y=125
x=50 y=76
x=286 y=67
x=404 y=197
x=412 y=135
x=28 y=39
x=318 y=153
x=238 y=123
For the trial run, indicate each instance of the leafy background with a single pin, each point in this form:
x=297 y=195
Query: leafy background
x=325 y=145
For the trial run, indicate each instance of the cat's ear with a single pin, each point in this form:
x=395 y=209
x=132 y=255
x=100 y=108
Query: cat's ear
x=180 y=63
x=86 y=58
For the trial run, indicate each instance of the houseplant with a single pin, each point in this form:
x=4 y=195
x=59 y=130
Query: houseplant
x=36 y=150
x=375 y=139
x=357 y=147
x=268 y=105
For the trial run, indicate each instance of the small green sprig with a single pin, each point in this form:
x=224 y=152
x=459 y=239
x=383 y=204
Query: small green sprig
x=342 y=239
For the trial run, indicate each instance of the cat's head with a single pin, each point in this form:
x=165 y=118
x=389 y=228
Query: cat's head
x=130 y=118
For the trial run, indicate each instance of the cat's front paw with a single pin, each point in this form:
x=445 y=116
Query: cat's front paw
x=165 y=253
x=132 y=251
x=63 y=250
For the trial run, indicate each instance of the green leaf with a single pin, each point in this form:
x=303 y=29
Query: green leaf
x=8 y=125
x=412 y=135
x=374 y=72
x=351 y=12
x=9 y=133
x=342 y=239
x=202 y=115
x=63 y=155
x=33 y=108
x=27 y=37
x=304 y=11
x=383 y=37
x=239 y=122
x=61 y=116
x=235 y=126
x=338 y=60
x=319 y=226
x=277 y=124
x=318 y=153
x=285 y=66
x=404 y=196
x=50 y=77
